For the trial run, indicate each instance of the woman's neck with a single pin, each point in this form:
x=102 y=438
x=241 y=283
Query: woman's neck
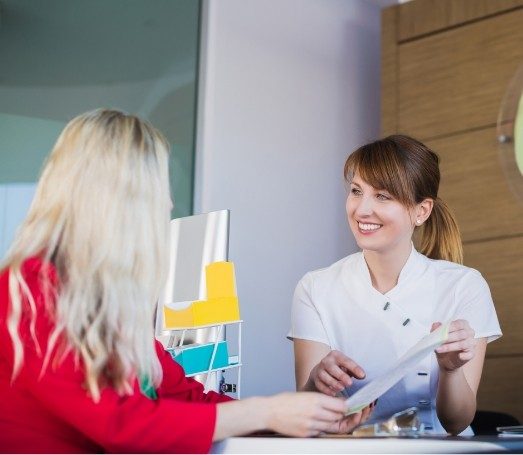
x=385 y=268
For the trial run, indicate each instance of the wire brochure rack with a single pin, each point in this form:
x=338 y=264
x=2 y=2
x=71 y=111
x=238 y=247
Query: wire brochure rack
x=220 y=309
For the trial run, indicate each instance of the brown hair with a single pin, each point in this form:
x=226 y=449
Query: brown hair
x=409 y=171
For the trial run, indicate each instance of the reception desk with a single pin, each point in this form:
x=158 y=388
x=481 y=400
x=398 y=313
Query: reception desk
x=348 y=444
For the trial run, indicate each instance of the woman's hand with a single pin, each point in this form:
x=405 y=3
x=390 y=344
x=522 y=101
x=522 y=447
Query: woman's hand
x=307 y=414
x=334 y=373
x=301 y=414
x=350 y=422
x=459 y=348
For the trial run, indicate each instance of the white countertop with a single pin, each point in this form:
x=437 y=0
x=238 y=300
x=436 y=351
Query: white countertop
x=348 y=444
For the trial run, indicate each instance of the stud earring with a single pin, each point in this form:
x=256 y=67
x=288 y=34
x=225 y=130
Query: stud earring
x=418 y=221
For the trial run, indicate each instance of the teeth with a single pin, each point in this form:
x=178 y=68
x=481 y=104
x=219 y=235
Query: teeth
x=368 y=226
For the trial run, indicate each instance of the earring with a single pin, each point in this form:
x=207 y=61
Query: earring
x=418 y=221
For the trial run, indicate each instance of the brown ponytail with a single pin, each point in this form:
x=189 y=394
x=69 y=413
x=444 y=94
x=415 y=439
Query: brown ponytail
x=409 y=171
x=440 y=237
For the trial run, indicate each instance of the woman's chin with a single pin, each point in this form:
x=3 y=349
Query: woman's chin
x=367 y=244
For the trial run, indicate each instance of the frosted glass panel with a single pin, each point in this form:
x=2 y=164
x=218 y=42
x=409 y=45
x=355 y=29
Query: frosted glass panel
x=510 y=133
x=24 y=143
x=15 y=199
x=2 y=220
x=63 y=57
x=518 y=136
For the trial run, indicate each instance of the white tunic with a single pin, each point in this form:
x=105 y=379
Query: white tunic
x=338 y=306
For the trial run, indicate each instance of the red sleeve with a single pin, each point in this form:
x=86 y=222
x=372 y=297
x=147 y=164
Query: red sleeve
x=131 y=423
x=176 y=385
x=182 y=419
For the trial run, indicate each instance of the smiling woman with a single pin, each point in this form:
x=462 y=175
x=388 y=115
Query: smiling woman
x=353 y=320
x=406 y=173
x=377 y=218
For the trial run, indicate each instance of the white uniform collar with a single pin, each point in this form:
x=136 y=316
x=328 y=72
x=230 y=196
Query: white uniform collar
x=413 y=267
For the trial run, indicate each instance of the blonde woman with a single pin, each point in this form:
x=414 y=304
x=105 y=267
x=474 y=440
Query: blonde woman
x=372 y=306
x=79 y=368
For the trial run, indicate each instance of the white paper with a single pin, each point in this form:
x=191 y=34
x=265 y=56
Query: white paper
x=409 y=360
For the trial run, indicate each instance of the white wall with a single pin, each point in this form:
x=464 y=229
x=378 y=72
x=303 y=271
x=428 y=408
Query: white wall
x=288 y=88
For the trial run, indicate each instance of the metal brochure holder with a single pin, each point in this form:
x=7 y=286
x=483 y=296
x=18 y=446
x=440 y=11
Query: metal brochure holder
x=403 y=423
x=196 y=242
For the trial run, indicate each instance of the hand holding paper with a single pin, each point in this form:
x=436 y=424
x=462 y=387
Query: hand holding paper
x=459 y=348
x=410 y=359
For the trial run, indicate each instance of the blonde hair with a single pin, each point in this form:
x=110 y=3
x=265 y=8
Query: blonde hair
x=409 y=171
x=101 y=217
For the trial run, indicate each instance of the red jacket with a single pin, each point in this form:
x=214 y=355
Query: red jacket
x=54 y=413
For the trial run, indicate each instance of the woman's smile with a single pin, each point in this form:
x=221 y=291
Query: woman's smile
x=368 y=228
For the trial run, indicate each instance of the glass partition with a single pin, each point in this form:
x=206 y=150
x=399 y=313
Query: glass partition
x=510 y=133
x=63 y=57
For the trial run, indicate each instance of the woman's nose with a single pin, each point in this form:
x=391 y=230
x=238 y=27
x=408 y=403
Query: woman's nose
x=364 y=207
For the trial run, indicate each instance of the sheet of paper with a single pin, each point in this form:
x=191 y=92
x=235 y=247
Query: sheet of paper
x=409 y=360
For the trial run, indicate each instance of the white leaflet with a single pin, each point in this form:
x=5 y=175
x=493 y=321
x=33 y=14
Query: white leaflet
x=409 y=360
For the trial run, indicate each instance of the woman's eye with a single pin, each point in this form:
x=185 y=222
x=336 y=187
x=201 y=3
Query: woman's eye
x=383 y=197
x=355 y=191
